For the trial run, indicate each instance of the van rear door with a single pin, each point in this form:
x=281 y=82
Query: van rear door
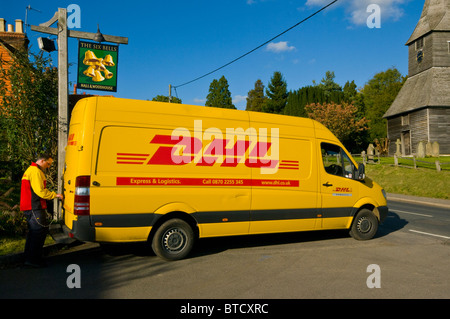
x=75 y=163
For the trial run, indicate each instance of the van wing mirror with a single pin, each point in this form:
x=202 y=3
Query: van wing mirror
x=361 y=173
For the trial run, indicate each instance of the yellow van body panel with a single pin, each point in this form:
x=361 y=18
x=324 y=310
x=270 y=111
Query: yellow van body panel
x=78 y=153
x=227 y=172
x=122 y=234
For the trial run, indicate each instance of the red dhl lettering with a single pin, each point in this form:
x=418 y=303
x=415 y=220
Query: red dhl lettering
x=191 y=148
x=70 y=140
x=343 y=189
x=182 y=150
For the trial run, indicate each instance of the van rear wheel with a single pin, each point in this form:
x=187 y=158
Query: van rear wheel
x=365 y=225
x=173 y=240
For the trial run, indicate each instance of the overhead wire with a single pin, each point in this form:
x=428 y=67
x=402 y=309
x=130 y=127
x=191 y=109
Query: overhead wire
x=258 y=47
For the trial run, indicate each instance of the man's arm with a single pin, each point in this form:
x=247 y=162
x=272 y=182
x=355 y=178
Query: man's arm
x=37 y=183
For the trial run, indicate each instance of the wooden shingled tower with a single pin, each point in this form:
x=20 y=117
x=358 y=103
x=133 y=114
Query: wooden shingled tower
x=421 y=110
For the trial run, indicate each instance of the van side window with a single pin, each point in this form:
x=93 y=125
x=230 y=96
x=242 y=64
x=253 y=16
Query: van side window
x=336 y=162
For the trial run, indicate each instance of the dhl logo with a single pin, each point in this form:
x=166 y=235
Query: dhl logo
x=343 y=189
x=182 y=151
x=187 y=150
x=181 y=148
x=71 y=139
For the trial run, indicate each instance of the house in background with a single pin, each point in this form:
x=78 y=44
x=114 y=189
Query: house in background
x=421 y=110
x=12 y=40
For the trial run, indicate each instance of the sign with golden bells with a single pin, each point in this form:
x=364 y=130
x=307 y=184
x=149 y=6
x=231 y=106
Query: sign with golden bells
x=97 y=66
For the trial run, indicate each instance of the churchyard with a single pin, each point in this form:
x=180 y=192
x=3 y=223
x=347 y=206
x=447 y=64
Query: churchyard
x=425 y=173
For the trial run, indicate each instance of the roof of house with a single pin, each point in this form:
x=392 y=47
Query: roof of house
x=435 y=17
x=429 y=88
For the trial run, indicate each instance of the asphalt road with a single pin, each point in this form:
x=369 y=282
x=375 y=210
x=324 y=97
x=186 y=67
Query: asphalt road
x=411 y=254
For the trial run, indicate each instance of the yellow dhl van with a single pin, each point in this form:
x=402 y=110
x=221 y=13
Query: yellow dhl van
x=171 y=173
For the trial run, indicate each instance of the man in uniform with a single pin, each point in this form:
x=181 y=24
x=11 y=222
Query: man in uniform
x=33 y=202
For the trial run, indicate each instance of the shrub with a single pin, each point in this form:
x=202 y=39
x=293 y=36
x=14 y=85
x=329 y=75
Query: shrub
x=12 y=223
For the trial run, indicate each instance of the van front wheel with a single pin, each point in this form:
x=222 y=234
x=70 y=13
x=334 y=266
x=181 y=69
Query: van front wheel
x=173 y=240
x=365 y=225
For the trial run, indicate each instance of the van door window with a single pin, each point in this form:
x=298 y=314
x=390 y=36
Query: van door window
x=336 y=162
x=348 y=165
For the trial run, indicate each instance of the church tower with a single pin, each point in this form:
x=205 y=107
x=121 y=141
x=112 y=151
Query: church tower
x=421 y=110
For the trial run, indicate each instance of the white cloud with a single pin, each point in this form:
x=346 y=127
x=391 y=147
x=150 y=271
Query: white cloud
x=356 y=10
x=196 y=100
x=389 y=10
x=279 y=47
x=239 y=98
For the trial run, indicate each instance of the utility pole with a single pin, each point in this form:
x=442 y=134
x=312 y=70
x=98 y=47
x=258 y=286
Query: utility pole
x=63 y=70
x=170 y=93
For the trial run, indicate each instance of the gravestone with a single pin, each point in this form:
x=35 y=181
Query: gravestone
x=421 y=150
x=435 y=149
x=428 y=149
x=370 y=152
x=398 y=144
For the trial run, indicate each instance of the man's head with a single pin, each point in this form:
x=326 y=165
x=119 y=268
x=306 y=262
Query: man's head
x=44 y=161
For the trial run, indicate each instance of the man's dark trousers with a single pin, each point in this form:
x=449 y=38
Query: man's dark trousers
x=37 y=232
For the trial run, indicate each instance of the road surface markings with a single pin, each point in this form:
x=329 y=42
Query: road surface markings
x=429 y=234
x=402 y=211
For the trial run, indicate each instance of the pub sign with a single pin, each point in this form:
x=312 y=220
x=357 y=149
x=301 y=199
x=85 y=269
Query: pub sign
x=97 y=66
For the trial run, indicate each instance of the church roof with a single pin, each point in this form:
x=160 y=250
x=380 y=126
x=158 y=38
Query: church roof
x=425 y=89
x=435 y=17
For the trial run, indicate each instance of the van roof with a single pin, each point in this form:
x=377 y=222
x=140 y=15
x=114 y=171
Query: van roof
x=109 y=107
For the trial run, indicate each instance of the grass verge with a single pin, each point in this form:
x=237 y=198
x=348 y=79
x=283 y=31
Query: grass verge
x=409 y=181
x=15 y=245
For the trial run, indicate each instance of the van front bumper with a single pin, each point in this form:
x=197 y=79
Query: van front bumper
x=383 y=210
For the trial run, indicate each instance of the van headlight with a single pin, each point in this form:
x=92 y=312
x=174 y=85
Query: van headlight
x=384 y=193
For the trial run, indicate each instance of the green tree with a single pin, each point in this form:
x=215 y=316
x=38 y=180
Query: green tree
x=29 y=113
x=297 y=100
x=358 y=141
x=164 y=98
x=328 y=85
x=256 y=98
x=219 y=94
x=350 y=91
x=277 y=94
x=294 y=104
x=379 y=93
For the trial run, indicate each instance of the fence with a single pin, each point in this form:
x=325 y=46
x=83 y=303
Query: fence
x=402 y=161
x=416 y=162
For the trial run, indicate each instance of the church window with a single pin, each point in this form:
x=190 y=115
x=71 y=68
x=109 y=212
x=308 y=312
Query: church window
x=419 y=43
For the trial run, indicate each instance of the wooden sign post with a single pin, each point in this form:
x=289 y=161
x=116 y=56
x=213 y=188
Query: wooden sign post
x=63 y=70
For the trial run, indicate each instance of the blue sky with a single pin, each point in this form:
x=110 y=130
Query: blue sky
x=172 y=42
